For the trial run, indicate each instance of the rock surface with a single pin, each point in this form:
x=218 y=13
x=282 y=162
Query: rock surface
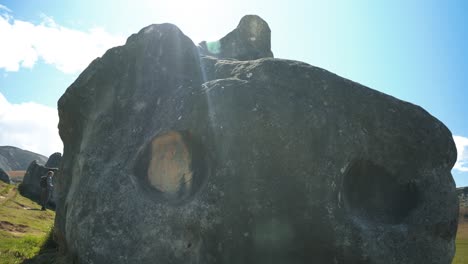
x=174 y=158
x=30 y=186
x=249 y=41
x=4 y=177
x=462 y=193
x=54 y=160
x=12 y=158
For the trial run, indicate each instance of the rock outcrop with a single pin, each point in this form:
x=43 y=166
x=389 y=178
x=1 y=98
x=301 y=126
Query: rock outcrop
x=4 y=177
x=30 y=186
x=462 y=193
x=12 y=158
x=176 y=158
x=54 y=160
x=249 y=41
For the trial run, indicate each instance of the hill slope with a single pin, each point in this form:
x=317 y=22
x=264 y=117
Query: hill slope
x=23 y=226
x=461 y=255
x=13 y=158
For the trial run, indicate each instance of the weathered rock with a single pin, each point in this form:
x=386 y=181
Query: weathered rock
x=249 y=41
x=30 y=186
x=174 y=159
x=462 y=194
x=4 y=177
x=54 y=160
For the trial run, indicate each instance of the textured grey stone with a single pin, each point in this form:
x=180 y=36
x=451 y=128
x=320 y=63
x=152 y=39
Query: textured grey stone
x=170 y=158
x=4 y=177
x=30 y=186
x=54 y=160
x=249 y=41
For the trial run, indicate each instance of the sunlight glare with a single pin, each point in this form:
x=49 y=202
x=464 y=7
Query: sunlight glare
x=194 y=18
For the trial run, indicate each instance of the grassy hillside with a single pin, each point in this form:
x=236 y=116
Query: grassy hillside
x=461 y=256
x=16 y=176
x=24 y=228
x=13 y=158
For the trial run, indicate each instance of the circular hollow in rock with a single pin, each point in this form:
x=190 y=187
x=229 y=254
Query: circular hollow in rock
x=170 y=164
x=370 y=191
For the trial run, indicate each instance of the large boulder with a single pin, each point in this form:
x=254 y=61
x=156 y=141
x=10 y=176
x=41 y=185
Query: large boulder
x=173 y=158
x=4 y=177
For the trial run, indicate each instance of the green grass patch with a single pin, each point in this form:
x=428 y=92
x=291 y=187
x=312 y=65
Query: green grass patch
x=5 y=189
x=24 y=228
x=15 y=249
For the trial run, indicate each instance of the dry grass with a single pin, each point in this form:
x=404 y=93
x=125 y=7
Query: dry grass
x=461 y=255
x=16 y=175
x=462 y=232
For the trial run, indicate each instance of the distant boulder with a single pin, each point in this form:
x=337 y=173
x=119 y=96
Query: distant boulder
x=31 y=181
x=462 y=193
x=54 y=160
x=4 y=177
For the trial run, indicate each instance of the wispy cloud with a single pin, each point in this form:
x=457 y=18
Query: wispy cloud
x=23 y=43
x=462 y=150
x=2 y=7
x=29 y=126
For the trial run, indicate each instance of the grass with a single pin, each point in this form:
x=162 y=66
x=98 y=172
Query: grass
x=16 y=249
x=5 y=190
x=461 y=255
x=16 y=175
x=24 y=228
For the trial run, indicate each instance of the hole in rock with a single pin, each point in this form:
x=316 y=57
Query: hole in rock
x=370 y=191
x=170 y=165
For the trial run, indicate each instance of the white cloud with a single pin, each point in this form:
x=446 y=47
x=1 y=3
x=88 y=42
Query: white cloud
x=2 y=7
x=462 y=150
x=29 y=126
x=23 y=43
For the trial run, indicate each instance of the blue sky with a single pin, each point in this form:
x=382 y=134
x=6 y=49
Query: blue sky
x=414 y=50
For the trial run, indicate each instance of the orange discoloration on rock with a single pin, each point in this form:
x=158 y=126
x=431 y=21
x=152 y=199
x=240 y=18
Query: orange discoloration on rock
x=170 y=164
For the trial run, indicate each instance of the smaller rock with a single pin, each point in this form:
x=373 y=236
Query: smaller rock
x=4 y=177
x=54 y=160
x=251 y=40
